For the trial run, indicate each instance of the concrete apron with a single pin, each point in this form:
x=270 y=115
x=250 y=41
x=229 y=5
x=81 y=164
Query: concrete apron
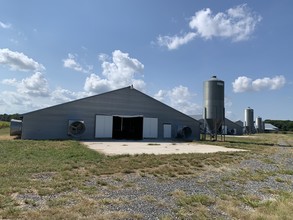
x=145 y=147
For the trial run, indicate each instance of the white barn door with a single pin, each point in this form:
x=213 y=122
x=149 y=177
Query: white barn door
x=167 y=131
x=104 y=126
x=150 y=128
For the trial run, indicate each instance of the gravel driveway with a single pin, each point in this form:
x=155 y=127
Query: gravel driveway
x=153 y=198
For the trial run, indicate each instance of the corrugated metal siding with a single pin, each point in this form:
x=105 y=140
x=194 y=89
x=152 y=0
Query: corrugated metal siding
x=233 y=125
x=52 y=122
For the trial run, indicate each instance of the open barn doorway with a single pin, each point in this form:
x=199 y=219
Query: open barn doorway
x=128 y=127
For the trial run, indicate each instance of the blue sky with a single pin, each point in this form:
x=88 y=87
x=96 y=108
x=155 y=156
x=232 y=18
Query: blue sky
x=56 y=51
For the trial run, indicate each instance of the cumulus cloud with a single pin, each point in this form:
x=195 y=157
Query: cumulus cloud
x=19 y=61
x=242 y=84
x=15 y=98
x=10 y=82
x=5 y=26
x=61 y=95
x=71 y=63
x=14 y=101
x=269 y=83
x=35 y=85
x=236 y=23
x=118 y=72
x=174 y=42
x=104 y=57
x=30 y=93
x=245 y=84
x=179 y=98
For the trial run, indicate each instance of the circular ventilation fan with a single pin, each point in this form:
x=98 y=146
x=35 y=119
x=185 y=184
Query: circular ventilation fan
x=77 y=128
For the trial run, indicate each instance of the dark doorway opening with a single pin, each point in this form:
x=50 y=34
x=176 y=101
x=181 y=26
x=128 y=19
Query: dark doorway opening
x=130 y=128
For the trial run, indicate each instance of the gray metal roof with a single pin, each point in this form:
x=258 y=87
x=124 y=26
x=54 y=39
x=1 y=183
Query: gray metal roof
x=270 y=127
x=113 y=91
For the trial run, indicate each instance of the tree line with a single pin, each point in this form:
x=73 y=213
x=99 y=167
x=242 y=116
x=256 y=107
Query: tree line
x=8 y=117
x=283 y=125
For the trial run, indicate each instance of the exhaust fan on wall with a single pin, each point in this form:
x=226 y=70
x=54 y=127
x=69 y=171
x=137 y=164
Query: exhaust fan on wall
x=76 y=127
x=184 y=133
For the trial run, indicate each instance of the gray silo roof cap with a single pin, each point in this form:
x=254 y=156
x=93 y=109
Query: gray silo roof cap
x=214 y=78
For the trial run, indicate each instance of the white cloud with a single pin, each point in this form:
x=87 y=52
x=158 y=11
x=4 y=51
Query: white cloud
x=19 y=61
x=5 y=26
x=30 y=93
x=161 y=95
x=179 y=98
x=175 y=42
x=269 y=83
x=14 y=102
x=228 y=102
x=10 y=82
x=236 y=23
x=61 y=95
x=119 y=73
x=35 y=85
x=71 y=63
x=103 y=57
x=95 y=84
x=15 y=98
x=244 y=84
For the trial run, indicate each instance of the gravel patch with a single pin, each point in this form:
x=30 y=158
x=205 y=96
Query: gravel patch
x=209 y=183
x=153 y=197
x=45 y=176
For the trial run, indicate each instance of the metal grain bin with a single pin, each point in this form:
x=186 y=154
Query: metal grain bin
x=248 y=121
x=259 y=124
x=214 y=110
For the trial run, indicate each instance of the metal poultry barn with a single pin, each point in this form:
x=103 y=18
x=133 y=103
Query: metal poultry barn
x=120 y=114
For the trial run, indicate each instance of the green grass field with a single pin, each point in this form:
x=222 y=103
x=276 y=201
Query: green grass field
x=46 y=179
x=4 y=130
x=4 y=124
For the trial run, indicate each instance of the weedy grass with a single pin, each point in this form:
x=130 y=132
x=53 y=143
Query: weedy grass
x=4 y=124
x=4 y=130
x=253 y=207
x=193 y=206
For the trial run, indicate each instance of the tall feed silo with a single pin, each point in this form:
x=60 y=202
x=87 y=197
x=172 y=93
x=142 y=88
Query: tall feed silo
x=259 y=124
x=214 y=110
x=248 y=121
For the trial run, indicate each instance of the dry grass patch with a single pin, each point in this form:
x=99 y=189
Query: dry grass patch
x=252 y=207
x=193 y=206
x=4 y=133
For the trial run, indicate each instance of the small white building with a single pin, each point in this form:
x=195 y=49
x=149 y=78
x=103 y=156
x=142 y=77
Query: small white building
x=269 y=128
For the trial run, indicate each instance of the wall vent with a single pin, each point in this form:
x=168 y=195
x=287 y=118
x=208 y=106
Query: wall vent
x=76 y=127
